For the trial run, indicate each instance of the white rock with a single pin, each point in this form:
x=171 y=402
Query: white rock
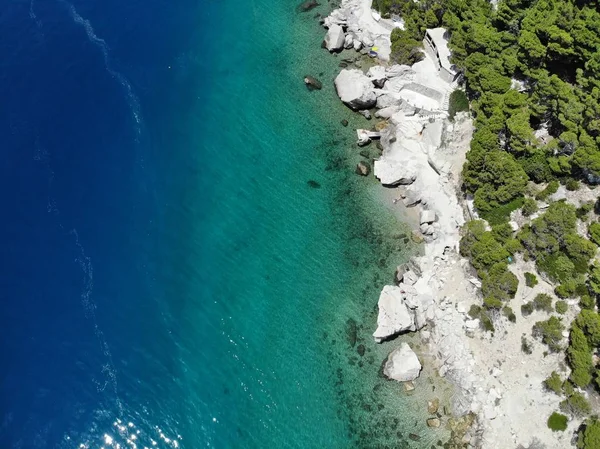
x=357 y=44
x=427 y=216
x=355 y=89
x=334 y=39
x=472 y=324
x=402 y=364
x=388 y=100
x=404 y=71
x=476 y=282
x=393 y=173
x=386 y=112
x=410 y=277
x=348 y=41
x=514 y=225
x=394 y=316
x=377 y=75
x=427 y=229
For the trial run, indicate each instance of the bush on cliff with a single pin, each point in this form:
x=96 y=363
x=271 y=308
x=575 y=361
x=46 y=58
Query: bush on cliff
x=550 y=331
x=458 y=103
x=405 y=48
x=557 y=422
x=530 y=280
x=589 y=438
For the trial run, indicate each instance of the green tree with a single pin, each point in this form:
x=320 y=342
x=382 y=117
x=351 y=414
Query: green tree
x=594 y=232
x=550 y=331
x=554 y=383
x=589 y=438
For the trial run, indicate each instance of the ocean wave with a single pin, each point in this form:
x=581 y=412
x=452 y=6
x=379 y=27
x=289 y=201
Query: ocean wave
x=134 y=104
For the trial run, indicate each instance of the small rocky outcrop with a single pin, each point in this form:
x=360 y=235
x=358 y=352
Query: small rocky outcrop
x=335 y=38
x=432 y=406
x=355 y=89
x=363 y=169
x=312 y=83
x=307 y=5
x=402 y=364
x=434 y=422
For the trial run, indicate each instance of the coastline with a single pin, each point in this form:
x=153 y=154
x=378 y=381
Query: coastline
x=424 y=152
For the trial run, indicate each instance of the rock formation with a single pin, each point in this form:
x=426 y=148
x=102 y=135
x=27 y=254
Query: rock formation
x=402 y=364
x=334 y=39
x=355 y=89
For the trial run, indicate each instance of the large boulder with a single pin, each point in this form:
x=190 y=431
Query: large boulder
x=394 y=173
x=402 y=364
x=334 y=39
x=394 y=315
x=355 y=89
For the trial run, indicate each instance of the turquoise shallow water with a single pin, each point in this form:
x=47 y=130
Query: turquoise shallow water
x=201 y=257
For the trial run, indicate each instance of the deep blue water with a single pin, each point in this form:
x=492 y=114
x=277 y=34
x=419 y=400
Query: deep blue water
x=166 y=268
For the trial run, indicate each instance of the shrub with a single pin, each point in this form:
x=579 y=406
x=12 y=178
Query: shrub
x=587 y=302
x=458 y=103
x=584 y=210
x=554 y=383
x=499 y=282
x=486 y=322
x=550 y=189
x=508 y=313
x=513 y=246
x=529 y=207
x=568 y=388
x=594 y=232
x=572 y=184
x=502 y=232
x=525 y=345
x=543 y=302
x=550 y=331
x=557 y=422
x=501 y=213
x=474 y=311
x=405 y=49
x=527 y=309
x=492 y=303
x=561 y=307
x=530 y=280
x=576 y=404
x=589 y=438
x=589 y=322
x=571 y=288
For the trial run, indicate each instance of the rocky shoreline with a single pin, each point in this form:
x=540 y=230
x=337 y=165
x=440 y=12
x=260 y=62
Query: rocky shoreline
x=501 y=404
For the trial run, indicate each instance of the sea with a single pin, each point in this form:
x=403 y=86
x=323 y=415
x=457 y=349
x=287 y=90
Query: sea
x=187 y=258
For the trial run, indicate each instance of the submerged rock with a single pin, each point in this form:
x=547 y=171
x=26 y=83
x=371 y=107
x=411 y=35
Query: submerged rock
x=402 y=364
x=307 y=5
x=433 y=406
x=313 y=184
x=312 y=83
x=433 y=422
x=363 y=169
x=344 y=122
